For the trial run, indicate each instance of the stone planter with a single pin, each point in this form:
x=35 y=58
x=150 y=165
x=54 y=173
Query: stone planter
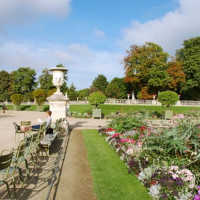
x=168 y=114
x=96 y=113
x=39 y=108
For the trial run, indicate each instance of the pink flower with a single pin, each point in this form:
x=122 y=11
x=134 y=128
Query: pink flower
x=116 y=135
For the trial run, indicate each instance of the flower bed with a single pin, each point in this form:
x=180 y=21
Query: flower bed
x=166 y=162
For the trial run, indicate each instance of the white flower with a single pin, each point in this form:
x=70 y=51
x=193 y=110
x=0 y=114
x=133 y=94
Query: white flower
x=154 y=191
x=129 y=151
x=146 y=173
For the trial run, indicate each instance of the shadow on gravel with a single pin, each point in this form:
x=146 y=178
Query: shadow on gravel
x=5 y=116
x=37 y=186
x=77 y=125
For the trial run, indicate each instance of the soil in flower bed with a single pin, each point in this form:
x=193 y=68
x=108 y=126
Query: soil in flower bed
x=110 y=175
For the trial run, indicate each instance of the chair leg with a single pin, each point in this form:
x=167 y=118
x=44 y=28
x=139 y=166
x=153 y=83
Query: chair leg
x=20 y=177
x=8 y=189
x=27 y=169
x=15 y=195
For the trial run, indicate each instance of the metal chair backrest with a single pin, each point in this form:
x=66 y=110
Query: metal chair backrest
x=20 y=150
x=43 y=126
x=28 y=141
x=25 y=123
x=34 y=137
x=5 y=161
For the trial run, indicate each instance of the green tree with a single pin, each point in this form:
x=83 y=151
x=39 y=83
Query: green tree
x=28 y=97
x=17 y=99
x=23 y=80
x=168 y=98
x=189 y=55
x=45 y=80
x=84 y=93
x=51 y=92
x=145 y=66
x=72 y=93
x=100 y=83
x=116 y=89
x=40 y=96
x=4 y=85
x=96 y=99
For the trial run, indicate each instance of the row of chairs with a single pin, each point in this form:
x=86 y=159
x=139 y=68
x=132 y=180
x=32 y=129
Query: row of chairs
x=11 y=161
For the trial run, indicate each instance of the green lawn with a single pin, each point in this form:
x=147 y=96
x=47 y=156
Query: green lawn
x=107 y=109
x=110 y=175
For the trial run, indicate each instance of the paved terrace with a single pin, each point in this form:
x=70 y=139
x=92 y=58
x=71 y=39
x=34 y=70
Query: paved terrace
x=37 y=186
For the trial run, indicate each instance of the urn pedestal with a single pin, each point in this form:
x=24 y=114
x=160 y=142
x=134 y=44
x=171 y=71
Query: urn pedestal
x=58 y=102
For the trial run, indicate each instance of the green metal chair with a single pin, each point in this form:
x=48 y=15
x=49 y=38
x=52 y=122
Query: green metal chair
x=34 y=147
x=18 y=158
x=18 y=129
x=6 y=170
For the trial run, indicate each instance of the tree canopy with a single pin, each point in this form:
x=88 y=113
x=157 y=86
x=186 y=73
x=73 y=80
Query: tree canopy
x=189 y=55
x=45 y=80
x=145 y=66
x=4 y=85
x=72 y=93
x=23 y=80
x=99 y=83
x=116 y=89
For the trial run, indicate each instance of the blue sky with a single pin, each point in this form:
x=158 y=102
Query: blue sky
x=90 y=37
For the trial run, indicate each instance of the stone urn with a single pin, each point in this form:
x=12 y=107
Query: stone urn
x=58 y=102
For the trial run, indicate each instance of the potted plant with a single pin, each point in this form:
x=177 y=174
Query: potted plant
x=168 y=99
x=16 y=100
x=95 y=99
x=40 y=97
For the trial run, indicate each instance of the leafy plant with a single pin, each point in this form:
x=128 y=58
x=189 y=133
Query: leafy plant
x=40 y=96
x=124 y=123
x=96 y=99
x=168 y=98
x=17 y=99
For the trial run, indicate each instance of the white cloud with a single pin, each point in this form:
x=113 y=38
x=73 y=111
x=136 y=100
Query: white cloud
x=82 y=62
x=18 y=11
x=99 y=33
x=168 y=31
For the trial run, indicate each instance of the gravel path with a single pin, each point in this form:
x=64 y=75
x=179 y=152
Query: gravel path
x=76 y=180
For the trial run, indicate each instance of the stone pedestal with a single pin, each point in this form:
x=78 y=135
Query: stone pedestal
x=58 y=104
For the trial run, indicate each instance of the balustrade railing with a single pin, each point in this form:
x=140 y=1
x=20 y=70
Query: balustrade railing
x=120 y=102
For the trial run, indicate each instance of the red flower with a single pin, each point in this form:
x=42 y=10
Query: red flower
x=143 y=128
x=110 y=129
x=154 y=182
x=115 y=135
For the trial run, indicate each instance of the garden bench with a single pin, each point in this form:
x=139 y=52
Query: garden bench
x=47 y=141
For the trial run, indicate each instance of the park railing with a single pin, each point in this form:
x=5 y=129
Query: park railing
x=120 y=102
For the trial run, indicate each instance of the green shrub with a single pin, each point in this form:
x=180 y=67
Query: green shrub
x=40 y=96
x=168 y=98
x=96 y=98
x=16 y=99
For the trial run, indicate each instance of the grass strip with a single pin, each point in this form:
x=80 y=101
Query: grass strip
x=110 y=175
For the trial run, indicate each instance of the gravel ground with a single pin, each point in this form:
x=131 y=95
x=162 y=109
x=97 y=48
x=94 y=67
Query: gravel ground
x=75 y=182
